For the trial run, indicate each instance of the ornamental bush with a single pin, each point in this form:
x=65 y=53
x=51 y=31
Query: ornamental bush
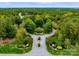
x=39 y=30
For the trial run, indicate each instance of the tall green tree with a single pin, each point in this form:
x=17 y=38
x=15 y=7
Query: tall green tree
x=18 y=20
x=39 y=21
x=48 y=26
x=7 y=29
x=30 y=25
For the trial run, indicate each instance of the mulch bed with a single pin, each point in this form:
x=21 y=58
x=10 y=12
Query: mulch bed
x=6 y=41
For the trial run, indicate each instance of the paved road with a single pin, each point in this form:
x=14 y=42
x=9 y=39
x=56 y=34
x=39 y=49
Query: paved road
x=39 y=51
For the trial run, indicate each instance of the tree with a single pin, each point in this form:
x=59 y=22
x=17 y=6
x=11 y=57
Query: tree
x=18 y=21
x=7 y=29
x=30 y=25
x=48 y=26
x=39 y=21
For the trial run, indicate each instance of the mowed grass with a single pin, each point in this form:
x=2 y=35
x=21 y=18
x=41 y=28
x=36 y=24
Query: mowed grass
x=16 y=47
x=12 y=50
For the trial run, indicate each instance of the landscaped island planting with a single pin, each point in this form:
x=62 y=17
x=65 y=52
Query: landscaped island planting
x=17 y=23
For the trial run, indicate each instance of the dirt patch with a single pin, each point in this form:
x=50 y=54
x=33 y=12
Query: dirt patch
x=6 y=41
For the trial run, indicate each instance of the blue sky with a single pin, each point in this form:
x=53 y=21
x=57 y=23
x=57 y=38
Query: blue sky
x=39 y=4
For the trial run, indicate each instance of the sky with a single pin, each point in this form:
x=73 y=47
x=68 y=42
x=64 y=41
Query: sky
x=39 y=4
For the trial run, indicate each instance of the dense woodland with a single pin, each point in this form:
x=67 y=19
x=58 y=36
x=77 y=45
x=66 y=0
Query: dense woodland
x=42 y=20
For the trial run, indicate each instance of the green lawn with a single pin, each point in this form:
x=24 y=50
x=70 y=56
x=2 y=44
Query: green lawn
x=74 y=51
x=17 y=46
